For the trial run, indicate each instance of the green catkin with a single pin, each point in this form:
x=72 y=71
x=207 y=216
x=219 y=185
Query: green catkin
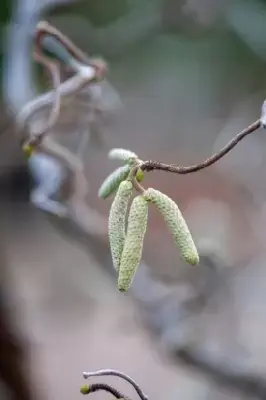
x=176 y=224
x=112 y=182
x=117 y=221
x=132 y=251
x=122 y=155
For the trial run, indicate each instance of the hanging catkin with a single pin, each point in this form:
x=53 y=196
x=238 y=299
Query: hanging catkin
x=176 y=224
x=132 y=251
x=113 y=180
x=117 y=221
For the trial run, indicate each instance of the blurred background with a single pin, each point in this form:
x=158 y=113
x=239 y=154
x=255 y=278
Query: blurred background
x=189 y=75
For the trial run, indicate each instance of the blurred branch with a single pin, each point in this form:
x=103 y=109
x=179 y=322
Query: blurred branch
x=86 y=73
x=87 y=389
x=112 y=372
x=96 y=387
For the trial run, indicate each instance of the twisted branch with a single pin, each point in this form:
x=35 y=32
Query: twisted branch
x=53 y=69
x=94 y=68
x=44 y=28
x=180 y=169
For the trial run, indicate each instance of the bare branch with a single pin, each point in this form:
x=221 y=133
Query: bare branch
x=180 y=169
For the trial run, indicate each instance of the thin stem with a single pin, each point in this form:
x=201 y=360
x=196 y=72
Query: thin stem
x=180 y=169
x=112 y=372
x=43 y=28
x=132 y=177
x=95 y=387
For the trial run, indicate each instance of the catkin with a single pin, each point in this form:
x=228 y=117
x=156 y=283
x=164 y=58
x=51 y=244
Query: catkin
x=113 y=180
x=176 y=224
x=117 y=221
x=122 y=155
x=132 y=251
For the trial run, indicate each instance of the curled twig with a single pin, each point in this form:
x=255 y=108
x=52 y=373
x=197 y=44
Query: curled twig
x=179 y=169
x=54 y=72
x=43 y=29
x=95 y=387
x=113 y=372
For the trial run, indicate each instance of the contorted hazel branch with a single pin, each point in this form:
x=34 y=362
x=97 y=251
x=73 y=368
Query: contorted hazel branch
x=86 y=389
x=180 y=169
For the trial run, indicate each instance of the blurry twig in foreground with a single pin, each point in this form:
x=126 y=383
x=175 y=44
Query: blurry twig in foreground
x=96 y=387
x=53 y=70
x=87 y=389
x=112 y=372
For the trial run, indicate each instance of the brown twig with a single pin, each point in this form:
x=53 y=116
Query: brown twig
x=95 y=387
x=43 y=28
x=180 y=169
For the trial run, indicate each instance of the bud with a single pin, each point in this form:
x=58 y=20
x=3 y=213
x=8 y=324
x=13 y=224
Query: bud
x=85 y=389
x=122 y=155
x=176 y=224
x=28 y=150
x=140 y=175
x=113 y=180
x=132 y=251
x=117 y=221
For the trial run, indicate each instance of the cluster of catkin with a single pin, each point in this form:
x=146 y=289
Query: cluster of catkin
x=126 y=236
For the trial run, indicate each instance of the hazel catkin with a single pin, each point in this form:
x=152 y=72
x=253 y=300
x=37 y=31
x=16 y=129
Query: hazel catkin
x=117 y=221
x=132 y=251
x=176 y=224
x=122 y=155
x=111 y=183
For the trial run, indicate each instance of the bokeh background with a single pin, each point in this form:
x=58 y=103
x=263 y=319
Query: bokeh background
x=190 y=74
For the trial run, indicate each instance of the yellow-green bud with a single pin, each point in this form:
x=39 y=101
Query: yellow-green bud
x=140 y=175
x=132 y=251
x=85 y=389
x=176 y=224
x=111 y=183
x=28 y=150
x=117 y=221
x=122 y=155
